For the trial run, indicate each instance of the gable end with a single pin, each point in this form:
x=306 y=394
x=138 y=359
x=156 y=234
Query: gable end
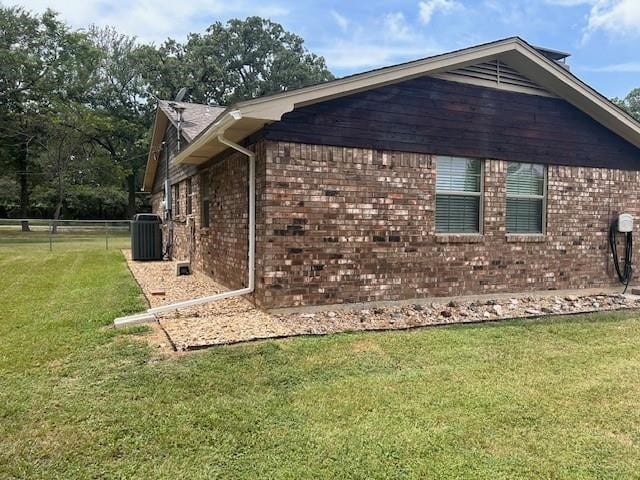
x=434 y=116
x=494 y=74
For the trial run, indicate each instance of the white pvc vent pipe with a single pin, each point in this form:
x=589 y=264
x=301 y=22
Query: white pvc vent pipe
x=151 y=312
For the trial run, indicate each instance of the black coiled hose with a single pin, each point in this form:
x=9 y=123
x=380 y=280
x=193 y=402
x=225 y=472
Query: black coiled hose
x=624 y=274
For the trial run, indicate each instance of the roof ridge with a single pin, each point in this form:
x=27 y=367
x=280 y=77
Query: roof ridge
x=207 y=105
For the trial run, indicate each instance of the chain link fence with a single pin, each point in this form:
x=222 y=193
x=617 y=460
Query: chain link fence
x=56 y=234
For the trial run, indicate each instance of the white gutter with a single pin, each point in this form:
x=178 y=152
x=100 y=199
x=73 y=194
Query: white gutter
x=149 y=315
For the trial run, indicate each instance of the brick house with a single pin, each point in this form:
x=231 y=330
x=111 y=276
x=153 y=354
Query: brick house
x=488 y=169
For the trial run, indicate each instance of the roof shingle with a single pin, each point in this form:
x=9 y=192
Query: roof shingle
x=195 y=119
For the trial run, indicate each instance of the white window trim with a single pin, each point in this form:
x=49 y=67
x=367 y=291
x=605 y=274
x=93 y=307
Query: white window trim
x=542 y=197
x=480 y=194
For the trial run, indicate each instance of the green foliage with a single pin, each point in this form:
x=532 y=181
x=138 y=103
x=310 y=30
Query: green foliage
x=9 y=195
x=71 y=99
x=235 y=61
x=631 y=103
x=48 y=71
x=82 y=201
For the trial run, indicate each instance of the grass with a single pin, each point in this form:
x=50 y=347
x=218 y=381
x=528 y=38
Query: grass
x=94 y=237
x=536 y=399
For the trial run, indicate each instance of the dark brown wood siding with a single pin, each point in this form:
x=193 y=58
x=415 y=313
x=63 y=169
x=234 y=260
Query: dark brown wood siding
x=177 y=173
x=427 y=115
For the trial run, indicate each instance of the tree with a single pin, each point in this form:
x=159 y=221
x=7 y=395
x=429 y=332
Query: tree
x=631 y=103
x=235 y=61
x=39 y=63
x=73 y=103
x=166 y=71
x=243 y=59
x=119 y=117
x=64 y=150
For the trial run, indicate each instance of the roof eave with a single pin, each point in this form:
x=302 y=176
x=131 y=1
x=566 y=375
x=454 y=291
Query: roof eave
x=249 y=116
x=261 y=111
x=566 y=85
x=157 y=135
x=196 y=151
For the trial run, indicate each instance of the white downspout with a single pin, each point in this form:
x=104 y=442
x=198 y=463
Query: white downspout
x=149 y=315
x=252 y=208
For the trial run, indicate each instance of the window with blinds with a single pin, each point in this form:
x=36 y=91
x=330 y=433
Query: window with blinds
x=458 y=194
x=526 y=191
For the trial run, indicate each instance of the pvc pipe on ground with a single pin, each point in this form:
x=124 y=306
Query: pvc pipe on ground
x=198 y=301
x=149 y=315
x=122 y=322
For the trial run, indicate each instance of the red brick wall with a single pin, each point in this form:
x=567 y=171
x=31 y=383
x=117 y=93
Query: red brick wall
x=221 y=249
x=351 y=225
x=339 y=225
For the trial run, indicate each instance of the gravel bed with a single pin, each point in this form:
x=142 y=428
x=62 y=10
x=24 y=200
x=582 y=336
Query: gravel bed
x=237 y=320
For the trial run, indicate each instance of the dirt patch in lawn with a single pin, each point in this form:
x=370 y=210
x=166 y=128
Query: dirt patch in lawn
x=236 y=320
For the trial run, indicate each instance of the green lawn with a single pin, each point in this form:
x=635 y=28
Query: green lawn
x=39 y=235
x=535 y=399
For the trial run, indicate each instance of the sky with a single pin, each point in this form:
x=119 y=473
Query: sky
x=603 y=36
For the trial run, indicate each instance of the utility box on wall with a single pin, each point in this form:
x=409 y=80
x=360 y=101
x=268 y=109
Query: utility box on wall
x=625 y=223
x=146 y=237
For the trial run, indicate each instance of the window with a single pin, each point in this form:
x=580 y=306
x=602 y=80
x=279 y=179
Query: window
x=525 y=197
x=176 y=199
x=205 y=200
x=458 y=195
x=189 y=197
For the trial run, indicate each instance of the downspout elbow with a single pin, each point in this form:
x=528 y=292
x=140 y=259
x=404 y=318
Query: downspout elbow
x=149 y=315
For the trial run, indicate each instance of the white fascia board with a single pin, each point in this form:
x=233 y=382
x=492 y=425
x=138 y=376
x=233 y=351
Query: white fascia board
x=156 y=139
x=218 y=127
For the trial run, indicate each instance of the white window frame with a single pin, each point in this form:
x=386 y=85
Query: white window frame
x=543 y=197
x=479 y=194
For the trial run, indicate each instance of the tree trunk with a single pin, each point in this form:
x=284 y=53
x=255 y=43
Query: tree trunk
x=56 y=217
x=131 y=188
x=58 y=210
x=23 y=180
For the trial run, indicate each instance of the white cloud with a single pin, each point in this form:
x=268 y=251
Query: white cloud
x=618 y=17
x=341 y=20
x=615 y=17
x=352 y=44
x=384 y=41
x=428 y=8
x=569 y=3
x=151 y=20
x=79 y=13
x=376 y=42
x=354 y=55
x=396 y=26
